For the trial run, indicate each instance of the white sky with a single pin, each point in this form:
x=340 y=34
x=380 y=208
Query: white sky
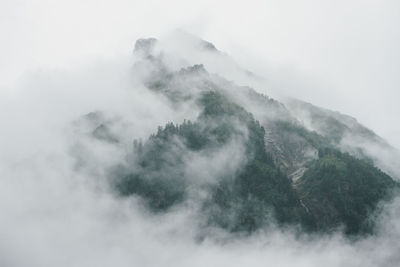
x=62 y=59
x=343 y=55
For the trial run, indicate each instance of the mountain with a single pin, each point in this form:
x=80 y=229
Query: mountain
x=247 y=161
x=347 y=134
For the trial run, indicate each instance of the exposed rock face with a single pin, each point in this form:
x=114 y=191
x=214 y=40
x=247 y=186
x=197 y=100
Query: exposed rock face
x=261 y=160
x=145 y=46
x=290 y=151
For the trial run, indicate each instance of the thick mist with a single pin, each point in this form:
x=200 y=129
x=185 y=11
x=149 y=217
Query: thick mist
x=340 y=55
x=57 y=213
x=57 y=205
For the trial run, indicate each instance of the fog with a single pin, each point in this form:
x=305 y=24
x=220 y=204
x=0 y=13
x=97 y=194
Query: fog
x=64 y=59
x=340 y=55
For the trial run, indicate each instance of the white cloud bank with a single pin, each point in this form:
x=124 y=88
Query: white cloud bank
x=53 y=215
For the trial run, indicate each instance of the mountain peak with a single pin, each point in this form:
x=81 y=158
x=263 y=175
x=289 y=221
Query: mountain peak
x=145 y=46
x=207 y=46
x=193 y=41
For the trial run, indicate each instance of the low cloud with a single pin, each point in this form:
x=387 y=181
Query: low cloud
x=57 y=215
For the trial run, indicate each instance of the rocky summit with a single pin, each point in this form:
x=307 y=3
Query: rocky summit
x=248 y=161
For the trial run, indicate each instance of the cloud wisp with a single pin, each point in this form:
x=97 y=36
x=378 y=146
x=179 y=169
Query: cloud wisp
x=56 y=213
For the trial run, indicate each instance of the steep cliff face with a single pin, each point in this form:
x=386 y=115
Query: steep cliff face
x=248 y=160
x=289 y=150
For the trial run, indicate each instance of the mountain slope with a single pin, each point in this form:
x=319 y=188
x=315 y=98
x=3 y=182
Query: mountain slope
x=247 y=161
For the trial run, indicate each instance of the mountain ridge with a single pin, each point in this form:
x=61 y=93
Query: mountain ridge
x=289 y=163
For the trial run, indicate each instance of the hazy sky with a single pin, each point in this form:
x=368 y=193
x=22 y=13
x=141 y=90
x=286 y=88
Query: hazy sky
x=62 y=59
x=341 y=55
